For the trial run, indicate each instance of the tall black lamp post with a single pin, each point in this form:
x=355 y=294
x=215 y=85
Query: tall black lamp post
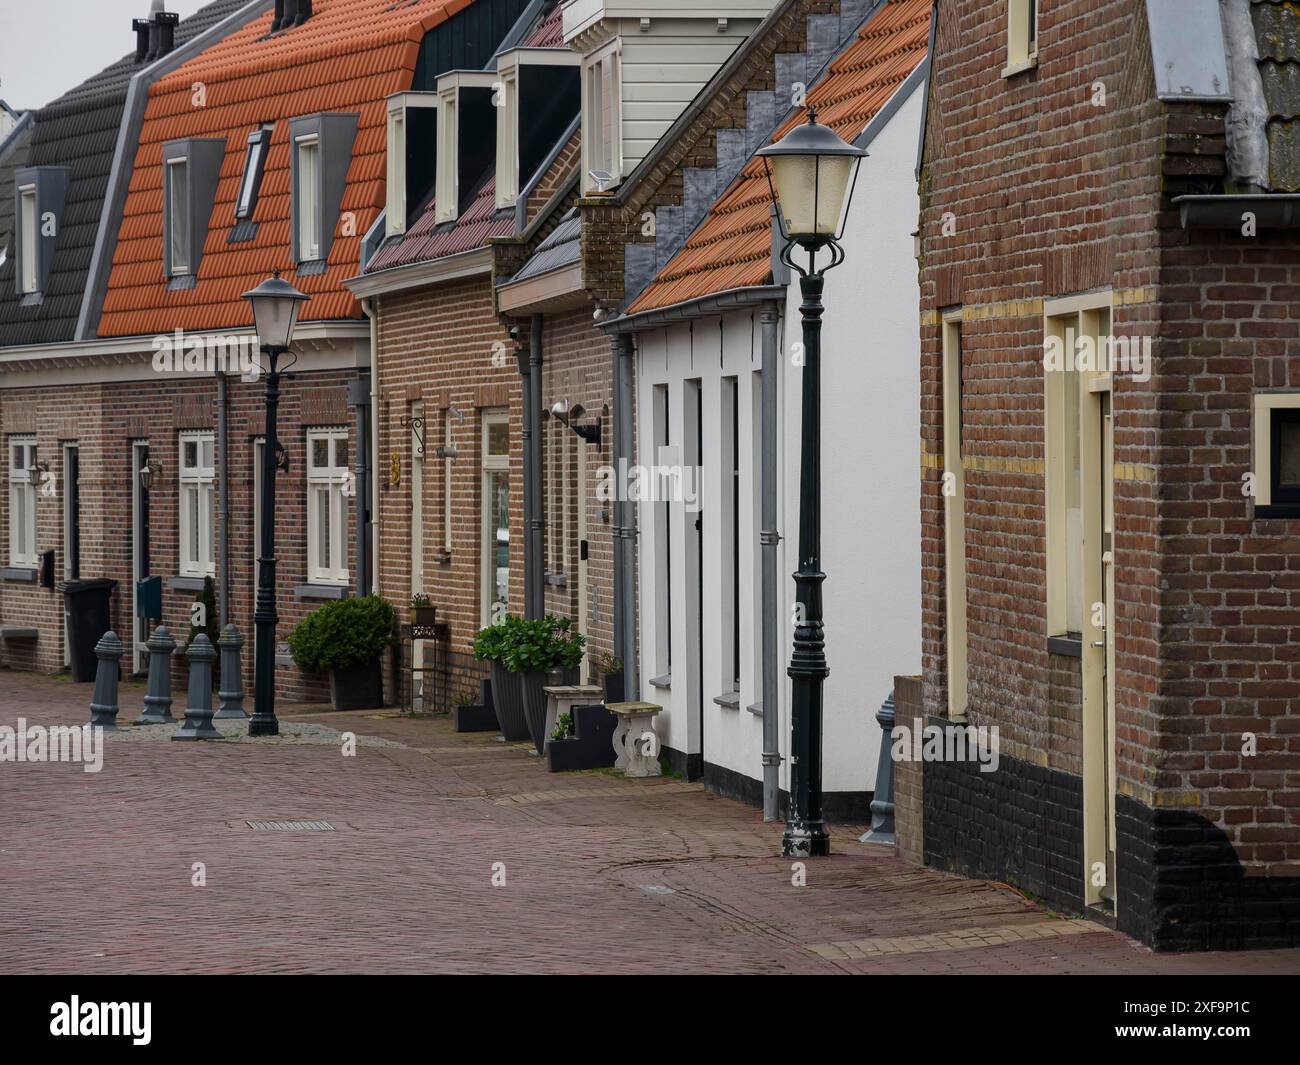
x=813 y=172
x=276 y=304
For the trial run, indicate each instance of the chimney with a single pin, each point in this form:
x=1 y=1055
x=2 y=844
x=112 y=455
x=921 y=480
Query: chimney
x=278 y=21
x=167 y=32
x=304 y=12
x=141 y=27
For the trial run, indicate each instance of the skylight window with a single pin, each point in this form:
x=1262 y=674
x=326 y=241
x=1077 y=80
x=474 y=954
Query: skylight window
x=259 y=141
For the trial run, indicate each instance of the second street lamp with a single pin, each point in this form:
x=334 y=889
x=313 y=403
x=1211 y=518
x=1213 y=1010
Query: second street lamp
x=813 y=173
x=276 y=304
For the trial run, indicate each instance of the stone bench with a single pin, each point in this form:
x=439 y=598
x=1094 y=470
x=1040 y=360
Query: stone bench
x=635 y=741
x=562 y=698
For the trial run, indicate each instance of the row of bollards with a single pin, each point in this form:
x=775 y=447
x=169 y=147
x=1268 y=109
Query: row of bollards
x=158 y=700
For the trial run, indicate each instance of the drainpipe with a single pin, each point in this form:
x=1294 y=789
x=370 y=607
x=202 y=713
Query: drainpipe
x=616 y=506
x=625 y=529
x=359 y=393
x=223 y=494
x=1247 y=141
x=534 y=595
x=768 y=538
x=375 y=531
x=526 y=388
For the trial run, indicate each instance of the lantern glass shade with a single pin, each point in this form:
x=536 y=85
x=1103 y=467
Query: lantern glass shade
x=811 y=170
x=276 y=304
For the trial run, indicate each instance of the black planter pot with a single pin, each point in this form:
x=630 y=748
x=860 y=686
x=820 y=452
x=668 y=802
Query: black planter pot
x=508 y=702
x=613 y=685
x=358 y=687
x=590 y=747
x=532 y=685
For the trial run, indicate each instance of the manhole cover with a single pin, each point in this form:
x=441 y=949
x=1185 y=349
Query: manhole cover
x=291 y=826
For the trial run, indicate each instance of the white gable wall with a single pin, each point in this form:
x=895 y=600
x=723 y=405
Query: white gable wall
x=870 y=505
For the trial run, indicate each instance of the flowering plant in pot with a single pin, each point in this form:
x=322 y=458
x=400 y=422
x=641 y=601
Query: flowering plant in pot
x=610 y=668
x=536 y=647
x=491 y=645
x=346 y=637
x=423 y=612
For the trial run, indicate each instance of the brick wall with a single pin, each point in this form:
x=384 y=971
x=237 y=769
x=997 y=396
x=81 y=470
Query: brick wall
x=444 y=346
x=1052 y=194
x=104 y=420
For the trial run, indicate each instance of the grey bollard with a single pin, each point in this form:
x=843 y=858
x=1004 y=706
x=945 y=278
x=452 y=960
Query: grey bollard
x=231 y=688
x=198 y=704
x=158 y=700
x=103 y=703
x=882 y=805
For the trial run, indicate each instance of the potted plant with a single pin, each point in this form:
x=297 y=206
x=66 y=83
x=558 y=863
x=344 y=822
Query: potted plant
x=611 y=677
x=491 y=645
x=583 y=739
x=423 y=612
x=537 y=647
x=346 y=637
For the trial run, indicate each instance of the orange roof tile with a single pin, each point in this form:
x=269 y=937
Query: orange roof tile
x=731 y=248
x=348 y=57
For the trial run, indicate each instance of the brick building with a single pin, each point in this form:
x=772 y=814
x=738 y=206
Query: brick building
x=1108 y=380
x=263 y=151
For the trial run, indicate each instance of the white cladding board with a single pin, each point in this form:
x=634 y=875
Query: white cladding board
x=579 y=15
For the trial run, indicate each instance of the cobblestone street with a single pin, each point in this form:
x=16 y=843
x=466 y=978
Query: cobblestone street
x=602 y=874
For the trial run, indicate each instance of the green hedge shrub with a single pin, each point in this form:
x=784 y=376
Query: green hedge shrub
x=343 y=633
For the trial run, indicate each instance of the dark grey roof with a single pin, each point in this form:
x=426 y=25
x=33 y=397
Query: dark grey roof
x=78 y=130
x=562 y=247
x=1277 y=35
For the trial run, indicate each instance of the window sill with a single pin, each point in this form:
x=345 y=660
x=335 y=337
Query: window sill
x=323 y=591
x=1067 y=643
x=181 y=282
x=18 y=573
x=311 y=267
x=664 y=683
x=556 y=580
x=32 y=299
x=185 y=584
x=756 y=708
x=1278 y=510
x=1020 y=66
x=730 y=700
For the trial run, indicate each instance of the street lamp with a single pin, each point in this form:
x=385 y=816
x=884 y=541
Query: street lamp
x=276 y=304
x=813 y=172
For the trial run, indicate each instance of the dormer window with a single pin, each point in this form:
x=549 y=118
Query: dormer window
x=27 y=243
x=537 y=95
x=322 y=153
x=307 y=150
x=39 y=192
x=412 y=156
x=602 y=127
x=250 y=184
x=178 y=213
x=191 y=168
x=465 y=112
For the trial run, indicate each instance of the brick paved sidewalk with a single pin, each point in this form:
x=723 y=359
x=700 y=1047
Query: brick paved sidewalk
x=602 y=874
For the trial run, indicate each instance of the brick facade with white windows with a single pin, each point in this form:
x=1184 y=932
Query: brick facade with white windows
x=1040 y=186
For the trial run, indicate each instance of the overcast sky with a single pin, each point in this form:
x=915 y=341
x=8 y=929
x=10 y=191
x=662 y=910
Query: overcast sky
x=48 y=46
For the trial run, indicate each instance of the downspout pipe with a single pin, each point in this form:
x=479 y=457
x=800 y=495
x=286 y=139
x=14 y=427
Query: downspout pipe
x=769 y=538
x=526 y=432
x=625 y=531
x=359 y=394
x=616 y=373
x=534 y=592
x=223 y=493
x=373 y=532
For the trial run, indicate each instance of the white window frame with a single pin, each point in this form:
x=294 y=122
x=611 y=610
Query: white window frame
x=329 y=481
x=250 y=180
x=398 y=128
x=199 y=480
x=506 y=98
x=307 y=217
x=1022 y=36
x=29 y=220
x=22 y=502
x=489 y=465
x=178 y=247
x=1064 y=391
x=1263 y=404
x=602 y=116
